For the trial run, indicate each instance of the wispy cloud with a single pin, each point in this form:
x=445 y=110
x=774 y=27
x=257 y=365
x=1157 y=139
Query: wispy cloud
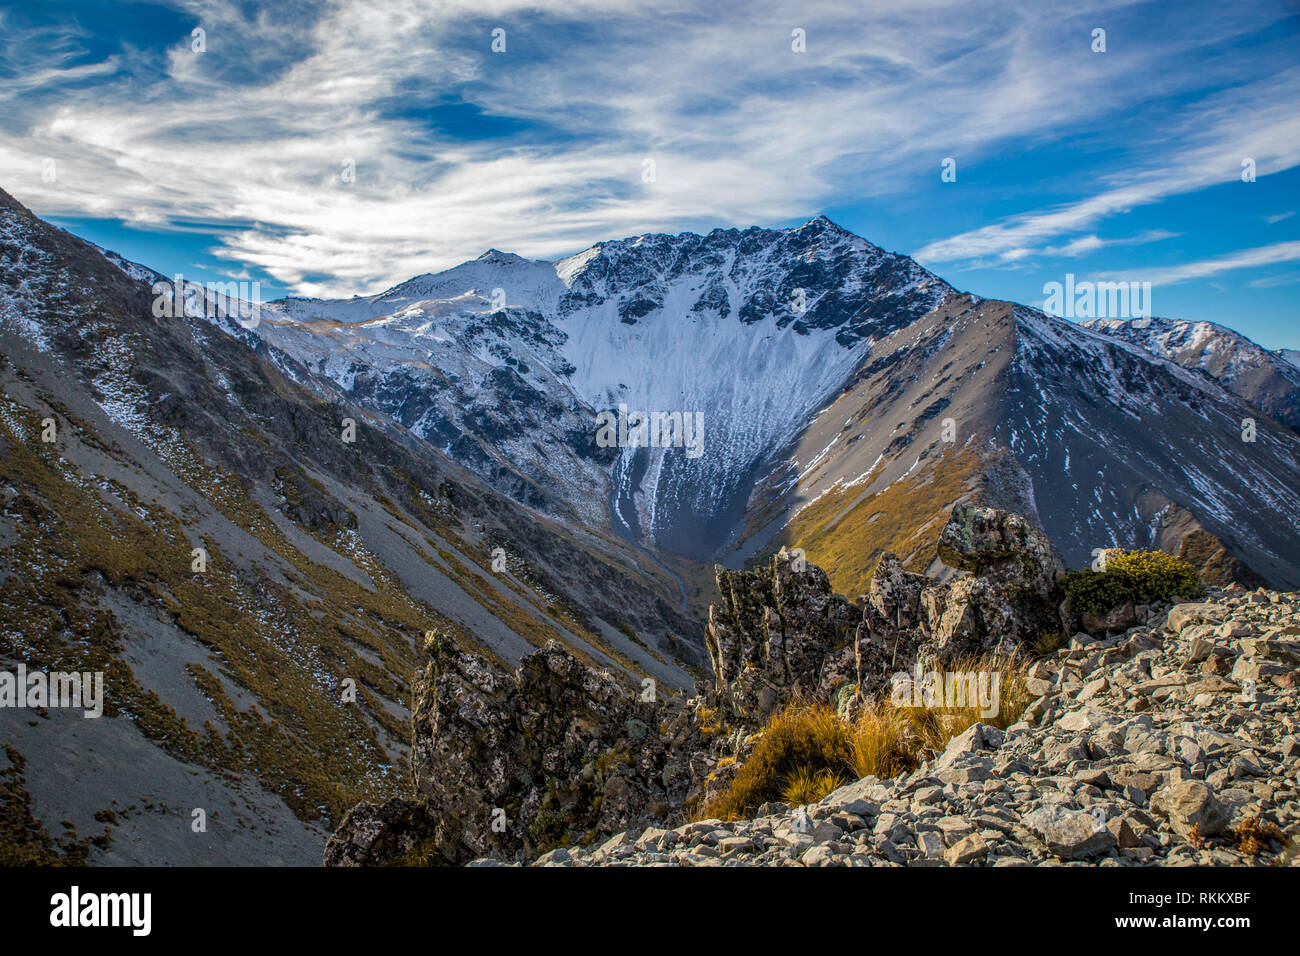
x=253 y=136
x=1200 y=269
x=1084 y=245
x=1207 y=151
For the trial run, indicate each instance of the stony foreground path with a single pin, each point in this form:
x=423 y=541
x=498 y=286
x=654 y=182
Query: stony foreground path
x=1174 y=743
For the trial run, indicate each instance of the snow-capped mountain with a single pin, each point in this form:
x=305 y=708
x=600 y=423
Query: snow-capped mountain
x=847 y=397
x=505 y=363
x=1266 y=379
x=843 y=395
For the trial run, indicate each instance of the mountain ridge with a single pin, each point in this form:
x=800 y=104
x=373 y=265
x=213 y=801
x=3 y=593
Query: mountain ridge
x=550 y=356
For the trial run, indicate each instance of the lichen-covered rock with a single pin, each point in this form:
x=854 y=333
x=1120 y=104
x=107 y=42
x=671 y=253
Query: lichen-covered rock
x=396 y=832
x=779 y=633
x=1012 y=597
x=990 y=542
x=555 y=752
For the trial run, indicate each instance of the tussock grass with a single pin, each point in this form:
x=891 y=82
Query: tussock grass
x=807 y=750
x=805 y=786
x=797 y=745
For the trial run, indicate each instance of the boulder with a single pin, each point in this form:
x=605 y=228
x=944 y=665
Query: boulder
x=1010 y=597
x=1184 y=615
x=1188 y=805
x=1069 y=834
x=1112 y=622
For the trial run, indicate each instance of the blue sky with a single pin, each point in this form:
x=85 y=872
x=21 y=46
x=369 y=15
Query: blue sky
x=231 y=162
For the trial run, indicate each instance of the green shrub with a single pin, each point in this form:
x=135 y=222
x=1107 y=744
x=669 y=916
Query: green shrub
x=1138 y=576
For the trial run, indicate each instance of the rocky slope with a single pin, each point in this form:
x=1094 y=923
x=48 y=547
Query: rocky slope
x=1268 y=380
x=1174 y=743
x=1094 y=440
x=1131 y=739
x=180 y=509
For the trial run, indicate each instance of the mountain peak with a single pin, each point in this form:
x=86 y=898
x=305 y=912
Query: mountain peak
x=824 y=222
x=496 y=255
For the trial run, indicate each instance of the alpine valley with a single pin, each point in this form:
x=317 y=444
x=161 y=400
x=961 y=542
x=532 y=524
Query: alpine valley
x=250 y=526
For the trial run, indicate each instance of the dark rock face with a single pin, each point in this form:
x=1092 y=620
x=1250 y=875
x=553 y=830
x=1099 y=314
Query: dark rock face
x=779 y=634
x=509 y=765
x=397 y=832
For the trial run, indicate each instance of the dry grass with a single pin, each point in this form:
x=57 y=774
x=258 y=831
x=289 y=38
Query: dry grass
x=845 y=535
x=798 y=744
x=1255 y=836
x=805 y=786
x=806 y=751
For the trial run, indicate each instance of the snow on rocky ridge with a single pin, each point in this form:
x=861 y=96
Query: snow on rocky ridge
x=505 y=362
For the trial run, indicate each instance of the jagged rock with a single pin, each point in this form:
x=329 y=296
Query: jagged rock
x=779 y=633
x=395 y=832
x=519 y=762
x=510 y=764
x=895 y=593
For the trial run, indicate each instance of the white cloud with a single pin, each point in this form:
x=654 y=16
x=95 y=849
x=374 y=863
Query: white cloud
x=742 y=130
x=1184 y=272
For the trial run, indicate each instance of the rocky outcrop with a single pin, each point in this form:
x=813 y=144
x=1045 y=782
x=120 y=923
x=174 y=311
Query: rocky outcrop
x=397 y=832
x=509 y=764
x=1135 y=753
x=780 y=633
x=1154 y=745
x=1010 y=596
